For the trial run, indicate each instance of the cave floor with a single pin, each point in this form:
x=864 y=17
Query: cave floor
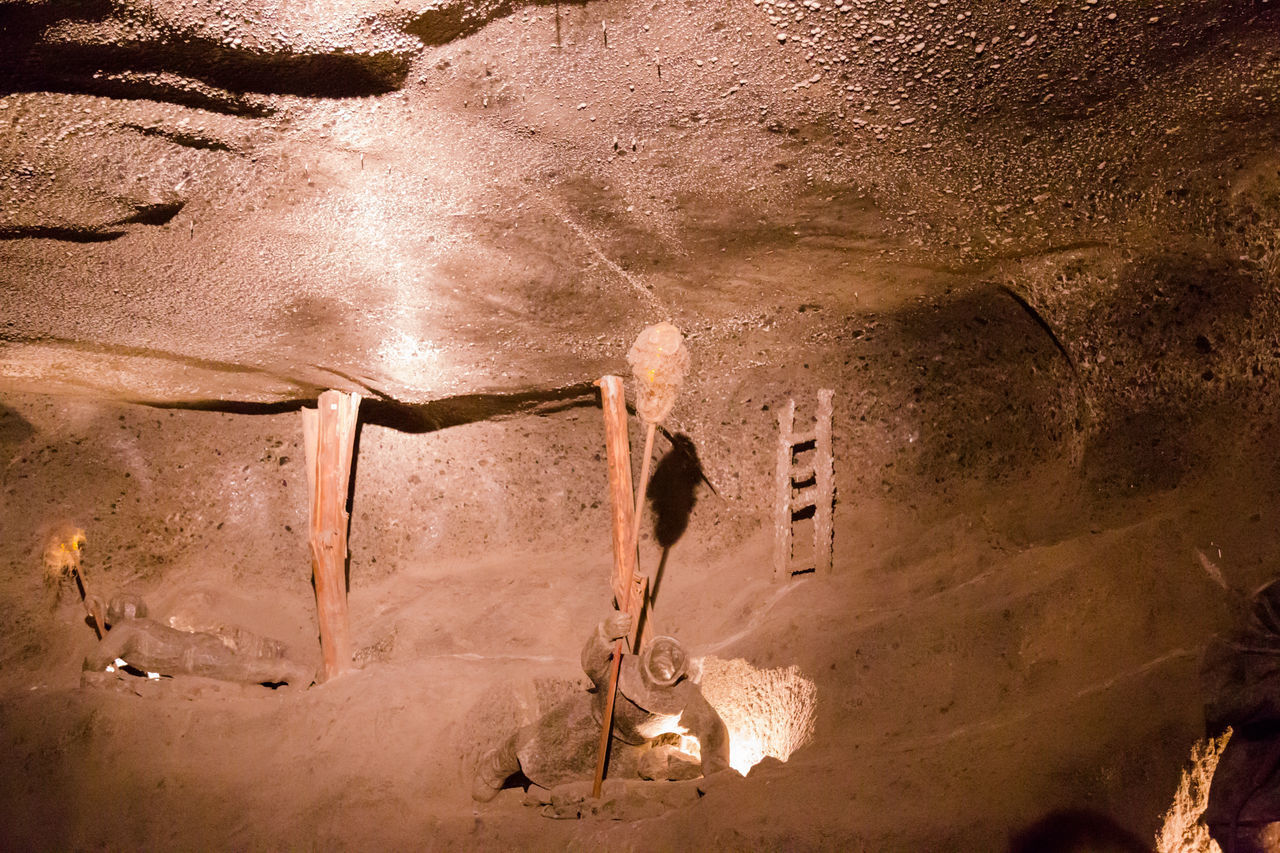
x=983 y=654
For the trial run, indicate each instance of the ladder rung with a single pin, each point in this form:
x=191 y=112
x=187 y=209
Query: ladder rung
x=796 y=438
x=802 y=475
x=805 y=498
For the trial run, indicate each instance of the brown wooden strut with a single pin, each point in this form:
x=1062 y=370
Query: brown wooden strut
x=625 y=526
x=329 y=438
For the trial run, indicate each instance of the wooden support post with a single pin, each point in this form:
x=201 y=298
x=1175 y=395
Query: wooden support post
x=621 y=497
x=782 y=494
x=824 y=480
x=618 y=451
x=329 y=435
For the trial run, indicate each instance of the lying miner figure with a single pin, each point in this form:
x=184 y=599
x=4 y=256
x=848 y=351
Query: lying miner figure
x=653 y=689
x=231 y=654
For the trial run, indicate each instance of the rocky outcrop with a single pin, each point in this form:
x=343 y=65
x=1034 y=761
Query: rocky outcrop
x=209 y=54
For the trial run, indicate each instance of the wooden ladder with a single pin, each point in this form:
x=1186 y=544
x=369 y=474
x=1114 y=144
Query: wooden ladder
x=800 y=487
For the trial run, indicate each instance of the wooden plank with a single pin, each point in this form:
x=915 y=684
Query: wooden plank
x=329 y=437
x=618 y=452
x=621 y=497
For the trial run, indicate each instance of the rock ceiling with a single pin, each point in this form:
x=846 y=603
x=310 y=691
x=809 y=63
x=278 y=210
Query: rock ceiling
x=231 y=201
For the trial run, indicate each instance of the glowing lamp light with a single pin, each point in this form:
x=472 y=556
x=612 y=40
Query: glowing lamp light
x=62 y=552
x=769 y=712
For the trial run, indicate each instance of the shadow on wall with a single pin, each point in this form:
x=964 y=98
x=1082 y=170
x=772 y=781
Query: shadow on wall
x=1181 y=306
x=673 y=490
x=14 y=432
x=440 y=23
x=1076 y=831
x=987 y=387
x=1183 y=363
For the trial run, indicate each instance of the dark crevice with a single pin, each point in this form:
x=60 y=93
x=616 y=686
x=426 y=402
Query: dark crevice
x=235 y=69
x=153 y=214
x=170 y=88
x=441 y=25
x=378 y=407
x=1041 y=322
x=66 y=233
x=472 y=408
x=422 y=417
x=186 y=139
x=159 y=213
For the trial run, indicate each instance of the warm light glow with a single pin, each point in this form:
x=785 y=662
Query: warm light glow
x=1183 y=831
x=407 y=356
x=62 y=551
x=668 y=724
x=660 y=724
x=767 y=711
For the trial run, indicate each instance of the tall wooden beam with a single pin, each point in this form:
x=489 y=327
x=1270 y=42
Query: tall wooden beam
x=621 y=499
x=825 y=480
x=628 y=598
x=329 y=434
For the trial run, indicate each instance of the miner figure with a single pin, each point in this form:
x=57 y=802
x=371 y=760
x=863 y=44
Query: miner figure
x=561 y=747
x=231 y=654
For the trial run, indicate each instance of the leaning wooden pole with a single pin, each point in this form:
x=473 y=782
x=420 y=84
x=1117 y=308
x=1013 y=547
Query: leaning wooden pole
x=618 y=454
x=640 y=590
x=329 y=433
x=644 y=483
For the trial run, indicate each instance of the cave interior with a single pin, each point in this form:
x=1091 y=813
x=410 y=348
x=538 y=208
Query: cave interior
x=1032 y=249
